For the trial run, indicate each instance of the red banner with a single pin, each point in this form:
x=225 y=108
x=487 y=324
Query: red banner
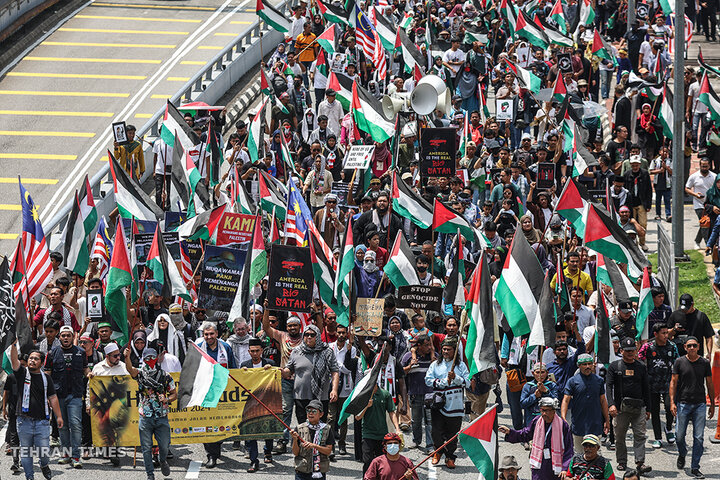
x=235 y=228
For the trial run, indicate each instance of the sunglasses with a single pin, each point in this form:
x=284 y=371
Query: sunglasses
x=315 y=150
x=114 y=355
x=310 y=334
x=691 y=345
x=331 y=201
x=312 y=410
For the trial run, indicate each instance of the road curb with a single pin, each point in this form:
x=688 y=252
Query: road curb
x=235 y=112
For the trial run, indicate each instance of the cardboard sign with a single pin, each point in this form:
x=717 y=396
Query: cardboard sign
x=564 y=63
x=95 y=305
x=369 y=316
x=221 y=271
x=143 y=242
x=545 y=175
x=235 y=228
x=437 y=152
x=359 y=156
x=420 y=297
x=504 y=109
x=290 y=282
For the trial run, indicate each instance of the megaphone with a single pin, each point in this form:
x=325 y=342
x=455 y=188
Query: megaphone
x=392 y=104
x=427 y=93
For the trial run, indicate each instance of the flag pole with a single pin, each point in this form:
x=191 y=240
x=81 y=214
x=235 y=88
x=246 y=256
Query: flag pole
x=450 y=440
x=260 y=402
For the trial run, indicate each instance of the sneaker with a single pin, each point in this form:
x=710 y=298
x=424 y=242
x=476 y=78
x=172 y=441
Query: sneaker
x=156 y=460
x=611 y=446
x=46 y=472
x=680 y=463
x=697 y=473
x=642 y=468
x=656 y=444
x=404 y=427
x=621 y=467
x=76 y=463
x=281 y=448
x=670 y=437
x=54 y=442
x=165 y=469
x=343 y=451
x=65 y=461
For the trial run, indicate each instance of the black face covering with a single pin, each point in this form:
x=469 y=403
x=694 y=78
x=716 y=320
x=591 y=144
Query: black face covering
x=421 y=269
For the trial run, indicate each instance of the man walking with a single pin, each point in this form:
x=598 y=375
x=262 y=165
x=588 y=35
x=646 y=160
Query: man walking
x=257 y=361
x=690 y=376
x=342 y=348
x=697 y=186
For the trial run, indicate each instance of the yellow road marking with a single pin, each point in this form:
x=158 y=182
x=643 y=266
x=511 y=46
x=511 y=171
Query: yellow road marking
x=8 y=236
x=178 y=79
x=110 y=30
x=46 y=113
x=209 y=47
x=141 y=115
x=64 y=94
x=38 y=133
x=124 y=5
x=192 y=62
x=226 y=34
x=160 y=95
x=240 y=22
x=7 y=206
x=30 y=181
x=120 y=45
x=91 y=60
x=140 y=19
x=76 y=75
x=37 y=156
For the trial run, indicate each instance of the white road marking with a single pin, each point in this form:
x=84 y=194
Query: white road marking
x=83 y=165
x=432 y=471
x=193 y=470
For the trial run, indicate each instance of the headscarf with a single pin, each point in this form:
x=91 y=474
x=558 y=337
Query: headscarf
x=370 y=266
x=713 y=194
x=320 y=361
x=399 y=343
x=468 y=82
x=361 y=248
x=497 y=266
x=533 y=236
x=381 y=156
x=173 y=340
x=139 y=334
x=646 y=121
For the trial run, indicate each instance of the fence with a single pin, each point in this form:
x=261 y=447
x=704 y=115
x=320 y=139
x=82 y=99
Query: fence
x=667 y=271
x=208 y=85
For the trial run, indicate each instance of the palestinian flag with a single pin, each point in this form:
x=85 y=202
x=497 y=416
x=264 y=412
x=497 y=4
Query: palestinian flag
x=572 y=203
x=527 y=79
x=164 y=269
x=174 y=125
x=527 y=29
x=558 y=16
x=367 y=112
x=474 y=34
x=202 y=226
x=76 y=253
x=561 y=288
x=555 y=36
x=410 y=53
x=400 y=267
x=701 y=61
x=587 y=14
x=193 y=181
x=601 y=48
x=645 y=306
x=667 y=118
x=609 y=273
x=14 y=323
x=255 y=134
x=447 y=220
x=581 y=156
x=409 y=204
x=385 y=28
x=343 y=276
x=509 y=12
x=406 y=21
x=273 y=18
x=668 y=7
x=243 y=202
x=216 y=155
x=327 y=39
x=484 y=111
x=202 y=380
x=710 y=98
x=543 y=327
x=118 y=279
x=322 y=69
x=343 y=85
x=559 y=89
x=520 y=286
x=480 y=346
x=603 y=346
x=454 y=292
x=333 y=14
x=322 y=265
x=19 y=276
x=265 y=87
x=131 y=199
x=479 y=440
x=87 y=207
x=274 y=235
x=271 y=199
x=258 y=256
x=605 y=236
x=363 y=391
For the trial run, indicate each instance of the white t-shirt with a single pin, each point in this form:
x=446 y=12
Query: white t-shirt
x=319 y=81
x=700 y=184
x=454 y=56
x=694 y=93
x=164 y=154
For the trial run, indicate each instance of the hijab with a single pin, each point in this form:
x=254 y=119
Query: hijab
x=532 y=235
x=468 y=82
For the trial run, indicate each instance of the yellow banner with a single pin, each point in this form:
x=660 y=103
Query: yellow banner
x=114 y=411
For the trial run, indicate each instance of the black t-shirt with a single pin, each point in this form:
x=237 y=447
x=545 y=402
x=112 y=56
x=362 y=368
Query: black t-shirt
x=628 y=380
x=618 y=151
x=37 y=393
x=696 y=324
x=10 y=389
x=691 y=379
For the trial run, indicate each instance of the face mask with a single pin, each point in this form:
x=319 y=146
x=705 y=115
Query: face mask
x=369 y=266
x=286 y=130
x=151 y=363
x=392 y=448
x=422 y=269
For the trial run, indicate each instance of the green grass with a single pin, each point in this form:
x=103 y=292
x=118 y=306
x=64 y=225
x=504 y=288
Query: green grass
x=695 y=281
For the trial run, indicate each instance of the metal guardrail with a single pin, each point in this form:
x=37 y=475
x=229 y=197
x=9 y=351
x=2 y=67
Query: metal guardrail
x=667 y=270
x=207 y=85
x=12 y=10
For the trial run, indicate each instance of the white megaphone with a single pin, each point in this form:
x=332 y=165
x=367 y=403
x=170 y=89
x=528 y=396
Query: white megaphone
x=427 y=93
x=392 y=104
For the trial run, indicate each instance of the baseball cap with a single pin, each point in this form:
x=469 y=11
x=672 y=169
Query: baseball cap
x=625 y=306
x=526 y=136
x=686 y=301
x=591 y=439
x=66 y=328
x=628 y=343
x=316 y=404
x=635 y=159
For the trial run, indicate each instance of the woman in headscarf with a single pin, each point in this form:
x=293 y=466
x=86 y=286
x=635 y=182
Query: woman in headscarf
x=137 y=345
x=441 y=71
x=279 y=56
x=333 y=156
x=380 y=161
x=164 y=330
x=649 y=132
x=498 y=262
x=467 y=88
x=318 y=27
x=532 y=234
x=368 y=277
x=360 y=255
x=396 y=337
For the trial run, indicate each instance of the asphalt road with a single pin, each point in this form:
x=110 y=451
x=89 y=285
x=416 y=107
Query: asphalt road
x=233 y=464
x=111 y=60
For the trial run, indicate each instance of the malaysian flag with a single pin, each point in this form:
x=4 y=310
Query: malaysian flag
x=365 y=33
x=35 y=249
x=298 y=215
x=102 y=248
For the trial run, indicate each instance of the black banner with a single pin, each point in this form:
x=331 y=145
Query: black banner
x=437 y=152
x=545 y=176
x=420 y=297
x=221 y=271
x=194 y=250
x=143 y=242
x=290 y=285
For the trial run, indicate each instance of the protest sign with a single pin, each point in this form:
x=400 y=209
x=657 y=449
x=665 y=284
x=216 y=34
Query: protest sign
x=341 y=189
x=143 y=241
x=173 y=220
x=359 y=156
x=420 y=297
x=545 y=175
x=94 y=303
x=194 y=250
x=369 y=315
x=504 y=109
x=235 y=228
x=221 y=271
x=142 y=226
x=114 y=411
x=290 y=280
x=437 y=152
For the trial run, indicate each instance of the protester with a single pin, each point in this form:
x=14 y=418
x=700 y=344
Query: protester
x=391 y=465
x=257 y=361
x=312 y=445
x=590 y=464
x=585 y=399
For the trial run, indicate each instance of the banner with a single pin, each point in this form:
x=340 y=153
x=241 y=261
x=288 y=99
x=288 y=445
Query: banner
x=369 y=316
x=143 y=242
x=173 y=220
x=142 y=226
x=359 y=157
x=221 y=271
x=420 y=297
x=235 y=228
x=114 y=411
x=437 y=152
x=290 y=283
x=194 y=251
